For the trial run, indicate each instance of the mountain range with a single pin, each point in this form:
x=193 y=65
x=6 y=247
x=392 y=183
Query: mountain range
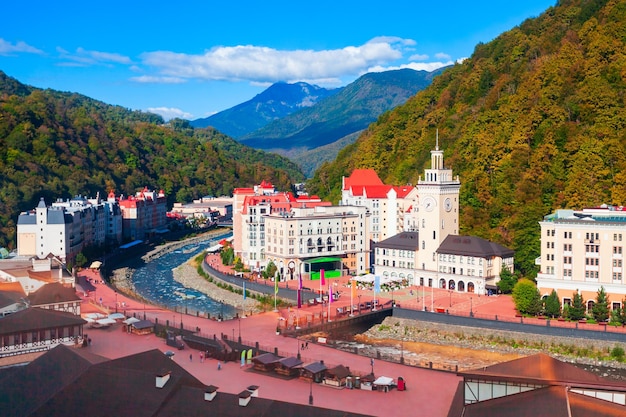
x=533 y=121
x=276 y=102
x=309 y=124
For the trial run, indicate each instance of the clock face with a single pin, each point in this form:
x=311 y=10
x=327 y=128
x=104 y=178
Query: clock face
x=448 y=204
x=429 y=203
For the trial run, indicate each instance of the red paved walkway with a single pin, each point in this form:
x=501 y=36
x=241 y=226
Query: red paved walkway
x=429 y=392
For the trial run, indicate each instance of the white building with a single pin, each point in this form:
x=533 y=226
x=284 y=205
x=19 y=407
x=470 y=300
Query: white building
x=392 y=208
x=582 y=251
x=66 y=227
x=434 y=255
x=297 y=240
x=250 y=209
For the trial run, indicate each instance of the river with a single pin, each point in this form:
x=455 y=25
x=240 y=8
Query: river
x=155 y=282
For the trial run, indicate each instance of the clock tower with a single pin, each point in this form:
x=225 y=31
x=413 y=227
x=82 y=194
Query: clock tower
x=438 y=194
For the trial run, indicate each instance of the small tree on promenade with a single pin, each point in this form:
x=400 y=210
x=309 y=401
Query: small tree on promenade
x=526 y=297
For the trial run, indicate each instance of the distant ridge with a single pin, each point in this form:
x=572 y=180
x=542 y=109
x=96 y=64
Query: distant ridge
x=278 y=101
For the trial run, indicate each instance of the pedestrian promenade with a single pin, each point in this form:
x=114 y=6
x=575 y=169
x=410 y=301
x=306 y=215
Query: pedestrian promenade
x=429 y=392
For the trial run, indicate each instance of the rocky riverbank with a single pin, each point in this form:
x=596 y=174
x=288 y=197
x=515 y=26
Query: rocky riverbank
x=471 y=347
x=187 y=275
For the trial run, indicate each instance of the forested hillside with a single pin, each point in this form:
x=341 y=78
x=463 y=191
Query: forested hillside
x=58 y=145
x=532 y=122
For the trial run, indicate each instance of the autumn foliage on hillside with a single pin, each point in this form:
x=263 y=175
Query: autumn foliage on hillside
x=534 y=121
x=59 y=145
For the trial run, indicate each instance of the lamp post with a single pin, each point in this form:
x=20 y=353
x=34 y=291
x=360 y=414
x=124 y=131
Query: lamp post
x=221 y=310
x=402 y=351
x=116 y=301
x=311 y=392
x=450 y=297
x=359 y=297
x=233 y=339
x=239 y=320
x=298 y=347
x=471 y=309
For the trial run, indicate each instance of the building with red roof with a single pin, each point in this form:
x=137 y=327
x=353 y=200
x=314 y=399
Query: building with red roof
x=391 y=207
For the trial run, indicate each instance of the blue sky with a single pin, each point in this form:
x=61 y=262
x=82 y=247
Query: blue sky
x=191 y=59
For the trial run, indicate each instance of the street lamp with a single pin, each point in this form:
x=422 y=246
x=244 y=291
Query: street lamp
x=359 y=297
x=233 y=339
x=298 y=346
x=402 y=351
x=239 y=320
x=311 y=392
x=450 y=298
x=221 y=310
x=471 y=309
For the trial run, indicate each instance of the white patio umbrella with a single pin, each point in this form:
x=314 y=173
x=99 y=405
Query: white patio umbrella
x=131 y=320
x=106 y=321
x=95 y=316
x=117 y=316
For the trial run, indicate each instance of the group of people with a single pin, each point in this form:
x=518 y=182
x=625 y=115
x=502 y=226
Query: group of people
x=202 y=356
x=304 y=346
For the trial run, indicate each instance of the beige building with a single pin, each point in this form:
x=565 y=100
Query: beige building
x=582 y=251
x=296 y=237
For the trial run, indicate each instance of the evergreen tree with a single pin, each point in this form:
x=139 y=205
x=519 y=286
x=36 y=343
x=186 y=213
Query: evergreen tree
x=600 y=309
x=552 y=305
x=228 y=255
x=526 y=297
x=507 y=281
x=270 y=270
x=577 y=309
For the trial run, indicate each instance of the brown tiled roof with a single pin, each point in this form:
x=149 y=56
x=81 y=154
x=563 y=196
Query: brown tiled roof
x=63 y=382
x=290 y=362
x=550 y=401
x=35 y=319
x=266 y=358
x=53 y=293
x=11 y=293
x=544 y=370
x=403 y=241
x=28 y=387
x=473 y=246
x=339 y=371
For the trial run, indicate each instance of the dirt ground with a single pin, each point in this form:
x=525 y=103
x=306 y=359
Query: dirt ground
x=443 y=356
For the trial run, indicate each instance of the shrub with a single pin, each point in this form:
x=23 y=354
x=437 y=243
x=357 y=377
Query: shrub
x=618 y=353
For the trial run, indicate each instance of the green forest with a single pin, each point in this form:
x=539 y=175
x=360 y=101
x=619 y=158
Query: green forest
x=59 y=145
x=533 y=121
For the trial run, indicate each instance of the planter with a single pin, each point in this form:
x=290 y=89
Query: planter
x=582 y=321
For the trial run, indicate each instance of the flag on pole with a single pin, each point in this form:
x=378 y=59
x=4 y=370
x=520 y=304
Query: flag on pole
x=276 y=285
x=300 y=291
x=376 y=284
x=323 y=281
x=353 y=293
x=330 y=294
x=244 y=290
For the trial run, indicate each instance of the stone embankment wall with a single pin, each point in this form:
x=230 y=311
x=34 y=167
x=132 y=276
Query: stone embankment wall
x=493 y=340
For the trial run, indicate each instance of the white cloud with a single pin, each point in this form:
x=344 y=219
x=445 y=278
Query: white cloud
x=158 y=80
x=170 y=113
x=442 y=56
x=417 y=66
x=418 y=57
x=8 y=48
x=267 y=65
x=83 y=57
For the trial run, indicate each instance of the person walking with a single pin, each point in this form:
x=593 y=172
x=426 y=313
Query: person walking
x=190 y=357
x=219 y=365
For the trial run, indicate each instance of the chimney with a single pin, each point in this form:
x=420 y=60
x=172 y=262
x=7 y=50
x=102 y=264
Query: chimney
x=244 y=398
x=162 y=378
x=254 y=390
x=210 y=393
